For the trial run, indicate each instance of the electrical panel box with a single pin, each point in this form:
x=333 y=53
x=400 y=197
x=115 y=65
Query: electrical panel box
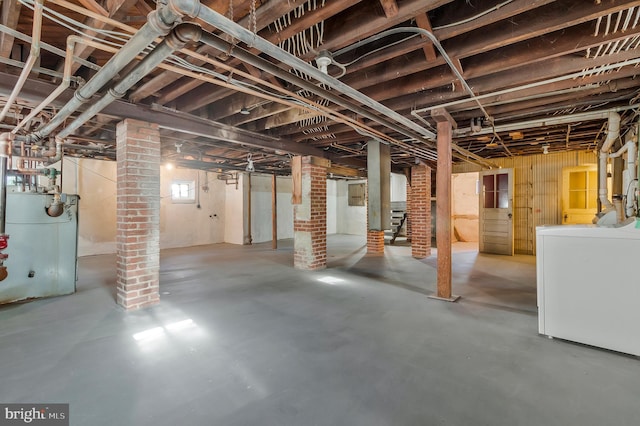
x=42 y=249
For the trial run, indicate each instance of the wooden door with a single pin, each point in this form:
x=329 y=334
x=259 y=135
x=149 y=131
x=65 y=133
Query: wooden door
x=496 y=211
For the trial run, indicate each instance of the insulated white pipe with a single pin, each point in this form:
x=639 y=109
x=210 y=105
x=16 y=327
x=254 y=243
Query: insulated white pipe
x=629 y=174
x=613 y=132
x=34 y=54
x=546 y=121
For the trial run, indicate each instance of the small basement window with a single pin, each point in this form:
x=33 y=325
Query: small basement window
x=356 y=194
x=183 y=191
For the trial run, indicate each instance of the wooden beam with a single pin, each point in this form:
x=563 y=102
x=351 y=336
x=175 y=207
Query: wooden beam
x=259 y=113
x=364 y=22
x=420 y=82
x=346 y=171
x=559 y=15
x=422 y=19
x=514 y=8
x=274 y=212
x=94 y=6
x=10 y=16
x=443 y=204
x=296 y=180
x=390 y=8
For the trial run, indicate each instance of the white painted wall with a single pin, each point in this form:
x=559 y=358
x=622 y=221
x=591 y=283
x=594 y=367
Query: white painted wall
x=220 y=218
x=181 y=225
x=95 y=182
x=350 y=219
x=261 y=219
x=398 y=187
x=189 y=224
x=234 y=212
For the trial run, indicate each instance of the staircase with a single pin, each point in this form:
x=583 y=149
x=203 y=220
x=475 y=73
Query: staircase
x=398 y=219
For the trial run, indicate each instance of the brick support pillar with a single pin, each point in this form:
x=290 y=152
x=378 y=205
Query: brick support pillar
x=408 y=224
x=138 y=214
x=310 y=217
x=375 y=241
x=419 y=206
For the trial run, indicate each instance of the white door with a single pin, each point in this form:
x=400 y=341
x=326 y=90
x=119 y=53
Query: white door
x=496 y=211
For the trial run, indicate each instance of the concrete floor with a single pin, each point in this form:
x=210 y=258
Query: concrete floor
x=241 y=338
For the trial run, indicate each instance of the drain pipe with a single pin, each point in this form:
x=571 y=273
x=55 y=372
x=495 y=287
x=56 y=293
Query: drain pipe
x=176 y=40
x=629 y=173
x=5 y=153
x=159 y=23
x=613 y=132
x=34 y=54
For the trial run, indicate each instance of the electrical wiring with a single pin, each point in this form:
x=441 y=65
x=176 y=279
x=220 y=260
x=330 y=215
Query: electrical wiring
x=473 y=18
x=69 y=23
x=374 y=51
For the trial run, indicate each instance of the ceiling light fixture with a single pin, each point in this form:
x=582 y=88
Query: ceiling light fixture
x=245 y=111
x=250 y=167
x=545 y=148
x=323 y=60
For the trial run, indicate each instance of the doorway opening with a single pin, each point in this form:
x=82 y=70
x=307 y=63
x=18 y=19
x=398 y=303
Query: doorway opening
x=465 y=219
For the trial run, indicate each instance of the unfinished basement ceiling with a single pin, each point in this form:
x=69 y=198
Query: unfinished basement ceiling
x=557 y=66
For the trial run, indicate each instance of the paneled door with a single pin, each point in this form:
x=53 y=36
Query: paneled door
x=496 y=211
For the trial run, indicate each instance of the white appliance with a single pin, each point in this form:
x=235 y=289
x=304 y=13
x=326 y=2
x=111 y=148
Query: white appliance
x=589 y=285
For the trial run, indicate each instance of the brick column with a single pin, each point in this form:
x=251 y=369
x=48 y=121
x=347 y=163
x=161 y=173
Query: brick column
x=138 y=214
x=419 y=206
x=375 y=241
x=407 y=224
x=310 y=218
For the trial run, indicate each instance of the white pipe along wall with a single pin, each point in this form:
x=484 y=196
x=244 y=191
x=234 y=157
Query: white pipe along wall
x=613 y=132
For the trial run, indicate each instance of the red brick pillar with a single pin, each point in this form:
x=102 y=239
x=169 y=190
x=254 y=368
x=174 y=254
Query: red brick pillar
x=407 y=224
x=375 y=241
x=138 y=214
x=310 y=218
x=420 y=211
